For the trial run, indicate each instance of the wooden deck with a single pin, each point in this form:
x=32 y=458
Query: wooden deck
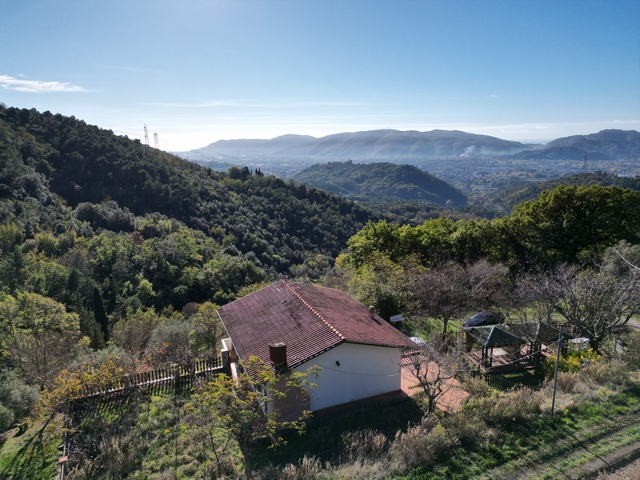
x=502 y=361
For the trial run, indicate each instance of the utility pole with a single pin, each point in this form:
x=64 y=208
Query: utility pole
x=156 y=141
x=555 y=375
x=146 y=135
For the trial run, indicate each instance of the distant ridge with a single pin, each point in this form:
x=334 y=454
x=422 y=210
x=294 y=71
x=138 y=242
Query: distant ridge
x=396 y=144
x=371 y=145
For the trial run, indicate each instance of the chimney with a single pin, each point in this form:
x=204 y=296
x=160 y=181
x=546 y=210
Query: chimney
x=278 y=355
x=372 y=312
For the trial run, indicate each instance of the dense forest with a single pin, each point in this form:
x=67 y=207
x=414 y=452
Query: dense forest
x=115 y=256
x=505 y=200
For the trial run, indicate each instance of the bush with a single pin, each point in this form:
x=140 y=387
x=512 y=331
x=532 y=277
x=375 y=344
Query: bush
x=16 y=396
x=631 y=351
x=364 y=445
x=571 y=361
x=508 y=409
x=567 y=381
x=468 y=428
x=606 y=373
x=477 y=387
x=421 y=445
x=308 y=468
x=6 y=418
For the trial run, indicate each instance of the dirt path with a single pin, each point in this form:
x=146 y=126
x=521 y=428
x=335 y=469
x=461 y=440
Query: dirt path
x=580 y=455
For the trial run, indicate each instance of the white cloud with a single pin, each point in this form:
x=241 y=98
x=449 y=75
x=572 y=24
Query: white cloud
x=36 y=86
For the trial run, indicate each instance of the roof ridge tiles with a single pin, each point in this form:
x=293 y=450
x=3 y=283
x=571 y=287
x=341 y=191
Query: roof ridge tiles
x=313 y=310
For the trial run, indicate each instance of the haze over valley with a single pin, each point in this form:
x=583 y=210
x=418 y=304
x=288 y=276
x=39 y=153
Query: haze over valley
x=476 y=164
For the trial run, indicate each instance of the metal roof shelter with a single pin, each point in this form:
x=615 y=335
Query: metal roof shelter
x=490 y=337
x=535 y=335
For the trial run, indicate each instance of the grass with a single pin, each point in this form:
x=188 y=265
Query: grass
x=325 y=432
x=32 y=454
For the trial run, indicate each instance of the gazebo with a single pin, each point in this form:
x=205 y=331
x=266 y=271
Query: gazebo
x=502 y=345
x=538 y=336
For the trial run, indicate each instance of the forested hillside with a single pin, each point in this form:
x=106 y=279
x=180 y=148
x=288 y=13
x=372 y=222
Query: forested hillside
x=381 y=181
x=102 y=225
x=51 y=155
x=505 y=201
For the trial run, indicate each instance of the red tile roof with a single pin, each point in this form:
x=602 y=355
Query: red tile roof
x=309 y=319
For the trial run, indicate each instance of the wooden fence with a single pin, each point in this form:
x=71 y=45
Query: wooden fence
x=174 y=378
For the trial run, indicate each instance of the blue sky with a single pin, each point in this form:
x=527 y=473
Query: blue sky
x=196 y=71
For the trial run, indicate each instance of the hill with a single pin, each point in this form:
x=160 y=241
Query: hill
x=507 y=199
x=380 y=181
x=374 y=144
x=60 y=177
x=604 y=145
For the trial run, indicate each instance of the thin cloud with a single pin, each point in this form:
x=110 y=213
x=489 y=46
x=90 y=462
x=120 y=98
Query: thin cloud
x=37 y=86
x=241 y=103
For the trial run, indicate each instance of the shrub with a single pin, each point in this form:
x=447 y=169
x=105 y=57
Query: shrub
x=6 y=418
x=606 y=373
x=567 y=381
x=507 y=409
x=364 y=444
x=468 y=428
x=477 y=387
x=16 y=396
x=631 y=351
x=308 y=468
x=571 y=361
x=421 y=445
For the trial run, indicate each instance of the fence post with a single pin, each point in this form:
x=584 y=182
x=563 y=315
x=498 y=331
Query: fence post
x=176 y=377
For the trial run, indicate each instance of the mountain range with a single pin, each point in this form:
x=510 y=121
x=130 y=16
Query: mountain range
x=386 y=144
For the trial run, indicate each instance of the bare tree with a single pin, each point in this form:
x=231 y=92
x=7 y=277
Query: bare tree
x=434 y=366
x=450 y=290
x=595 y=303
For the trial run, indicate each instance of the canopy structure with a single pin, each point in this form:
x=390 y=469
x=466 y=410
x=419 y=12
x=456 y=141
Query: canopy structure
x=537 y=335
x=490 y=337
x=510 y=340
x=538 y=332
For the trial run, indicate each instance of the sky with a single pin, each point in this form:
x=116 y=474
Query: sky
x=198 y=71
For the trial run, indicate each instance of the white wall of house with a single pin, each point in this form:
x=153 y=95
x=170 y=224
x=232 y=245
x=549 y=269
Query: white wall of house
x=364 y=371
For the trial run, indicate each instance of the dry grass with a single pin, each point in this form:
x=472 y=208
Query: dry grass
x=630 y=472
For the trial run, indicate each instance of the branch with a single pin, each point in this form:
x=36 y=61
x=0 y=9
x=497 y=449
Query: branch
x=625 y=260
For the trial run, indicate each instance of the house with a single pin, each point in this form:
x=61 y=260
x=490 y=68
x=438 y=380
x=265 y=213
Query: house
x=298 y=326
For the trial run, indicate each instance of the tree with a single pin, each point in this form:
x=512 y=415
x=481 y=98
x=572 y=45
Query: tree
x=204 y=339
x=99 y=313
x=595 y=303
x=38 y=335
x=573 y=224
x=133 y=332
x=381 y=284
x=450 y=290
x=248 y=409
x=16 y=397
x=99 y=372
x=622 y=259
x=434 y=366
